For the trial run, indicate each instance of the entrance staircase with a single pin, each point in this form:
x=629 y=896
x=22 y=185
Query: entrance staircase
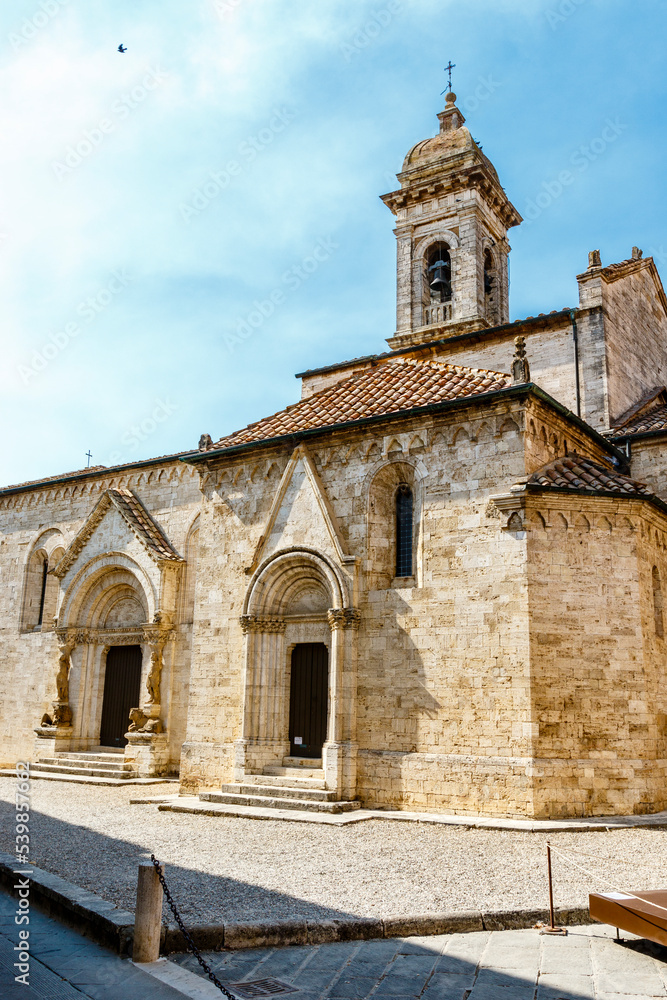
x=297 y=785
x=99 y=766
x=101 y=762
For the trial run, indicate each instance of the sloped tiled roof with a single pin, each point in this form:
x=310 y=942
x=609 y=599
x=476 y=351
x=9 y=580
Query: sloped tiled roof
x=654 y=420
x=387 y=388
x=577 y=473
x=138 y=519
x=143 y=524
x=55 y=479
x=92 y=471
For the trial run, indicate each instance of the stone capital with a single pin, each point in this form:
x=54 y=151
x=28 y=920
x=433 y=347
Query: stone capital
x=261 y=623
x=343 y=618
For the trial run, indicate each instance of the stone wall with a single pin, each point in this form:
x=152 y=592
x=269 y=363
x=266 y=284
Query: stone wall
x=596 y=667
x=50 y=516
x=649 y=464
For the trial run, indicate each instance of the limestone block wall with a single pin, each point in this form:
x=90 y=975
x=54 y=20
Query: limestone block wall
x=636 y=336
x=442 y=683
x=550 y=353
x=596 y=696
x=446 y=712
x=56 y=511
x=649 y=464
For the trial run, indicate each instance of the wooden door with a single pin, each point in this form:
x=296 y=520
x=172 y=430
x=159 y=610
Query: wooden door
x=309 y=699
x=122 y=680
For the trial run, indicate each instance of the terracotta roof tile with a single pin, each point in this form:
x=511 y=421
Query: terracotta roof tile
x=577 y=473
x=144 y=525
x=92 y=470
x=55 y=479
x=654 y=420
x=386 y=388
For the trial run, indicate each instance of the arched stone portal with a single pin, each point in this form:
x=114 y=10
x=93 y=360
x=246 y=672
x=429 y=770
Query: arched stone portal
x=298 y=597
x=110 y=606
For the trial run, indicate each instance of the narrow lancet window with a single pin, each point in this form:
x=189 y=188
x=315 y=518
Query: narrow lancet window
x=657 y=603
x=42 y=596
x=403 y=531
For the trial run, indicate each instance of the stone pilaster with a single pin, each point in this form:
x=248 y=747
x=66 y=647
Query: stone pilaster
x=339 y=754
x=262 y=742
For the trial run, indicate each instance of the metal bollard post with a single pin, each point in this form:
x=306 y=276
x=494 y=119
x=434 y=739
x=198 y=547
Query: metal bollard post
x=148 y=916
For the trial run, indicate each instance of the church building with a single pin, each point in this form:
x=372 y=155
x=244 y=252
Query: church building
x=434 y=583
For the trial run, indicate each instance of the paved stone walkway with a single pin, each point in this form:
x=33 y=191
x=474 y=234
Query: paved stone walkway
x=67 y=966
x=504 y=965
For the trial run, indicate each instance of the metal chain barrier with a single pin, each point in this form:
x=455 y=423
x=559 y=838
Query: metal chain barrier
x=192 y=947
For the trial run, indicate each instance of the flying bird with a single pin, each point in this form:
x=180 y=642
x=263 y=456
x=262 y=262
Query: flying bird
x=122 y=48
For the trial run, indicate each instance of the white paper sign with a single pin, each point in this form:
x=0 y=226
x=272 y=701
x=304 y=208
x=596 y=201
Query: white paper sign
x=298 y=741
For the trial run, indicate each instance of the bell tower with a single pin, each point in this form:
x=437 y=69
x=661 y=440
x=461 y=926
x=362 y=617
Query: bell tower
x=452 y=217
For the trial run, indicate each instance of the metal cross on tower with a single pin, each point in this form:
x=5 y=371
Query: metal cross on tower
x=88 y=456
x=448 y=69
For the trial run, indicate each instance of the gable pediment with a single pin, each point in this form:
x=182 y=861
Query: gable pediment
x=301 y=515
x=123 y=513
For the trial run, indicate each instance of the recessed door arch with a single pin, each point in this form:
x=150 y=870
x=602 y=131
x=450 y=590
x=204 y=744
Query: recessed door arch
x=122 y=682
x=309 y=699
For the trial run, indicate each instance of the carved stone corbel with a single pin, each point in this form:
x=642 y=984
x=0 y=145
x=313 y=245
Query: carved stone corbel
x=343 y=618
x=262 y=623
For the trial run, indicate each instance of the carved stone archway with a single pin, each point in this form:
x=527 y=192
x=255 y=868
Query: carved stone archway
x=298 y=596
x=108 y=604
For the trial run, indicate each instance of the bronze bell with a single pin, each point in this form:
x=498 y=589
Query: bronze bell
x=440 y=283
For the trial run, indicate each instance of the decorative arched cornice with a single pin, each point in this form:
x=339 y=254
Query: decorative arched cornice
x=436 y=235
x=92 y=573
x=273 y=578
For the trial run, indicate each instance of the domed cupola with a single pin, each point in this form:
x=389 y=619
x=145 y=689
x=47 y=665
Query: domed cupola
x=452 y=221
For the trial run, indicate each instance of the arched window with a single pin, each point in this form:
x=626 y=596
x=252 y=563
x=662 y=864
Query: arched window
x=41 y=590
x=404 y=530
x=490 y=288
x=657 y=603
x=35 y=590
x=190 y=574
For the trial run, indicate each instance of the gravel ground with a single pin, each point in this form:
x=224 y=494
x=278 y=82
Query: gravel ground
x=230 y=869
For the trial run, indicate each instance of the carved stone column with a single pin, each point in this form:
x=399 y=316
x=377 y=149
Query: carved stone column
x=261 y=740
x=339 y=754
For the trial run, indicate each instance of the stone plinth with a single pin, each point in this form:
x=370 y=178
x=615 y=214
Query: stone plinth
x=52 y=739
x=148 y=753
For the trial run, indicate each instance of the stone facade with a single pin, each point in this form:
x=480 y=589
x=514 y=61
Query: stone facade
x=502 y=654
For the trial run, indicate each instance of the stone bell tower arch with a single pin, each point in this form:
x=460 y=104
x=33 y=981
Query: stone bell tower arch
x=452 y=218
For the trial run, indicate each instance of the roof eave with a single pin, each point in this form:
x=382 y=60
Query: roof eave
x=513 y=391
x=472 y=335
x=607 y=494
x=110 y=470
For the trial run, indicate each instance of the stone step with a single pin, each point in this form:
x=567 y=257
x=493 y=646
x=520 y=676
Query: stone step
x=294 y=774
x=284 y=791
x=260 y=801
x=94 y=755
x=73 y=761
x=88 y=778
x=95 y=772
x=287 y=781
x=307 y=762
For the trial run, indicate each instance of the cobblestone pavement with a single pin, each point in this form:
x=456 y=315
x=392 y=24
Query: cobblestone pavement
x=505 y=965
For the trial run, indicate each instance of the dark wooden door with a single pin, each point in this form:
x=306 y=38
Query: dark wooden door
x=309 y=699
x=121 y=693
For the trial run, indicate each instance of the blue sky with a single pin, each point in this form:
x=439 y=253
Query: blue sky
x=155 y=202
